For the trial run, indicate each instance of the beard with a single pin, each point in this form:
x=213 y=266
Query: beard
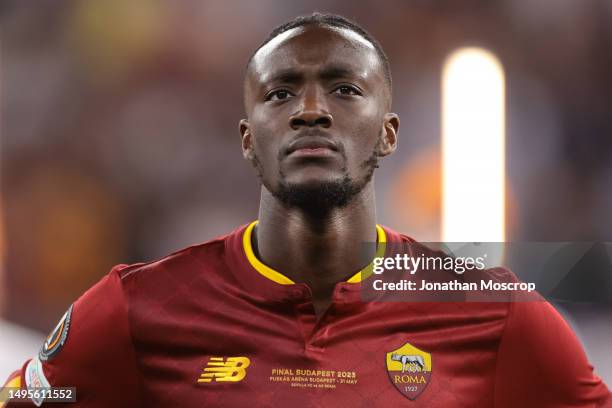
x=323 y=197
x=318 y=198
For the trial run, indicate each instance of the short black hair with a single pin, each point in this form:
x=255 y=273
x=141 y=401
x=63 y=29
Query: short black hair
x=330 y=20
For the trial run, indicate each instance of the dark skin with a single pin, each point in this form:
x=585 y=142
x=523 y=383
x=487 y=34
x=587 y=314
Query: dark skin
x=317 y=103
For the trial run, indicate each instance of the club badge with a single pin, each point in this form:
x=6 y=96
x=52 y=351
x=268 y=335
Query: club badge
x=409 y=370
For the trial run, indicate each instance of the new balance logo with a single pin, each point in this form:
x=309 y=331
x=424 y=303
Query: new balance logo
x=233 y=369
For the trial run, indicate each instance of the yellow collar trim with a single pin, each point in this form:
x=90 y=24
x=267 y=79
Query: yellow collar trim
x=278 y=277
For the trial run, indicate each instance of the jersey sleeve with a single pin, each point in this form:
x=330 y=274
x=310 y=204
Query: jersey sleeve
x=541 y=363
x=89 y=349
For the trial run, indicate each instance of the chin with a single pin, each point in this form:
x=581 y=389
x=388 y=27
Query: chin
x=316 y=195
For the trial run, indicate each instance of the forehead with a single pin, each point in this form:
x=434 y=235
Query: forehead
x=313 y=48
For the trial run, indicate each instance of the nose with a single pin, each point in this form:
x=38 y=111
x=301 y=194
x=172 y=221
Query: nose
x=312 y=111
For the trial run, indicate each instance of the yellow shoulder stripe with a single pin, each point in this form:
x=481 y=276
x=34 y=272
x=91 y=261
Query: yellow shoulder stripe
x=278 y=277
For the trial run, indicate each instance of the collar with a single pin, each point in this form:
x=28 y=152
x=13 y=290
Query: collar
x=279 y=278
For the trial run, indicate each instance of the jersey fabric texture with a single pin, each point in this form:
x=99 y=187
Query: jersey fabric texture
x=211 y=325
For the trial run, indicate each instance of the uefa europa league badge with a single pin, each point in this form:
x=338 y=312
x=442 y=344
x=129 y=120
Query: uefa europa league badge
x=409 y=370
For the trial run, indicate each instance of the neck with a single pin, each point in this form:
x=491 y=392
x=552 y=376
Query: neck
x=319 y=250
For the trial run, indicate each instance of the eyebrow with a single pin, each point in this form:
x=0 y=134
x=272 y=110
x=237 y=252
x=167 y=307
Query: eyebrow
x=291 y=75
x=286 y=75
x=335 y=71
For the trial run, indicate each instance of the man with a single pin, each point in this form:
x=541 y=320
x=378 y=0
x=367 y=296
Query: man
x=271 y=314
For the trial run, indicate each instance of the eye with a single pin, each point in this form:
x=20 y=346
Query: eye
x=347 y=90
x=279 y=95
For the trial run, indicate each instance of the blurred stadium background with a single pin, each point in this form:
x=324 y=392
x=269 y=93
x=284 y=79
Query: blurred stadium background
x=119 y=133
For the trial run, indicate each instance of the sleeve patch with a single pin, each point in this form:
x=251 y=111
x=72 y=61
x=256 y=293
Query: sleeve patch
x=35 y=378
x=57 y=338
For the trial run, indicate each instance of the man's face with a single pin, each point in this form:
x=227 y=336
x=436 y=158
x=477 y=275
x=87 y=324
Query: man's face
x=317 y=102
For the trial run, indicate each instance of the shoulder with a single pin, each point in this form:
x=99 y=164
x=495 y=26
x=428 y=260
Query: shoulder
x=180 y=267
x=393 y=236
x=90 y=348
x=92 y=345
x=541 y=360
x=200 y=268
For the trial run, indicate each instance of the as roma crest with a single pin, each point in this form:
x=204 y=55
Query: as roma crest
x=409 y=370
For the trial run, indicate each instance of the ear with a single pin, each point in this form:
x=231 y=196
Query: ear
x=247 y=139
x=388 y=142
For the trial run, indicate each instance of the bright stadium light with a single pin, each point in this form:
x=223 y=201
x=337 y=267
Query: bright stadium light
x=473 y=147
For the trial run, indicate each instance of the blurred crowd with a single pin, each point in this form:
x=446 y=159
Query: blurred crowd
x=119 y=126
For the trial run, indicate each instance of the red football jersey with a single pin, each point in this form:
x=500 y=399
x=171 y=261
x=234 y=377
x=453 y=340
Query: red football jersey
x=212 y=326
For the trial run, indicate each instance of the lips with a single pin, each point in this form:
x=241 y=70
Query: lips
x=311 y=144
